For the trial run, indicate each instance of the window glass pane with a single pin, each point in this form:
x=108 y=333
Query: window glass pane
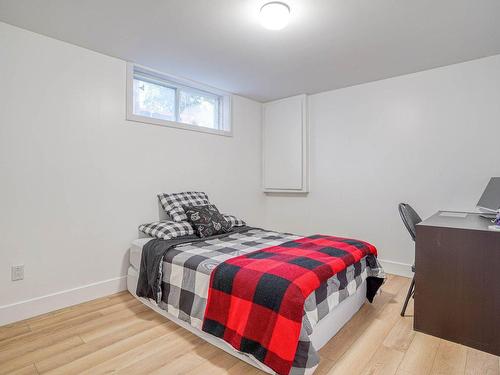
x=153 y=100
x=198 y=109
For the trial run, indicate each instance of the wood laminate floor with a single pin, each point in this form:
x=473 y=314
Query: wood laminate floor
x=118 y=334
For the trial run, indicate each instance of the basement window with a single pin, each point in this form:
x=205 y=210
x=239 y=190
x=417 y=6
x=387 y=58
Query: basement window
x=158 y=99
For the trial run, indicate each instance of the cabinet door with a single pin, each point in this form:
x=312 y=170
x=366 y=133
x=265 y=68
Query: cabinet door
x=284 y=145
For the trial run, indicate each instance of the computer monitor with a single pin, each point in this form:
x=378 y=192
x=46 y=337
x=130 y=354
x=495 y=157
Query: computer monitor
x=490 y=200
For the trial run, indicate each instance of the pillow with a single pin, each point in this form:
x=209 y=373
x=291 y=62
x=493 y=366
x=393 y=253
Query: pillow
x=173 y=203
x=166 y=230
x=207 y=220
x=235 y=222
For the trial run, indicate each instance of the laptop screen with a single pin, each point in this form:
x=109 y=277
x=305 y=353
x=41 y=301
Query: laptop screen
x=490 y=200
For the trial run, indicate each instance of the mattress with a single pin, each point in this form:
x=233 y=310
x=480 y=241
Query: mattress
x=322 y=332
x=136 y=252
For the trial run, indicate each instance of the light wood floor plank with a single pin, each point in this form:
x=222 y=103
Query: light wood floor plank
x=102 y=355
x=123 y=323
x=219 y=364
x=419 y=357
x=13 y=331
x=170 y=345
x=176 y=363
x=73 y=326
x=61 y=331
x=385 y=361
x=102 y=342
x=243 y=368
x=20 y=361
x=450 y=359
x=401 y=335
x=64 y=330
x=481 y=363
x=117 y=334
x=28 y=370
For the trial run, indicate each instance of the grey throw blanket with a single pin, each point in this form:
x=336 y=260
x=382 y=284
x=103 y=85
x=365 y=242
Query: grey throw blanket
x=149 y=283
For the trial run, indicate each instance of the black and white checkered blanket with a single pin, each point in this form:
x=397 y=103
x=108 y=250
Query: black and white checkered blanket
x=183 y=278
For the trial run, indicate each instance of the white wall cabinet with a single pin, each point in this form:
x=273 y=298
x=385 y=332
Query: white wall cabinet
x=285 y=145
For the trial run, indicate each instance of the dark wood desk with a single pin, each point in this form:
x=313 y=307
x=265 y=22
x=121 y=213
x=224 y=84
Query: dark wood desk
x=457 y=281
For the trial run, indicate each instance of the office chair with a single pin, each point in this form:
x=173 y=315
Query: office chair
x=410 y=219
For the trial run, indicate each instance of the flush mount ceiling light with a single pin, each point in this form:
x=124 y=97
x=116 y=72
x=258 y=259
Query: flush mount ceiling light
x=274 y=15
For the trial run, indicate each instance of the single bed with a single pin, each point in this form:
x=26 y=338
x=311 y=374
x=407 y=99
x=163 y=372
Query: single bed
x=326 y=310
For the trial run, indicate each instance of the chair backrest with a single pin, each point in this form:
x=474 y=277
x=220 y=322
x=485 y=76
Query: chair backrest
x=410 y=218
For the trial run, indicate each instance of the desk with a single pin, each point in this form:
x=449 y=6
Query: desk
x=457 y=280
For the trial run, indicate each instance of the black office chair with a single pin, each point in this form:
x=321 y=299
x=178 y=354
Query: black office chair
x=410 y=219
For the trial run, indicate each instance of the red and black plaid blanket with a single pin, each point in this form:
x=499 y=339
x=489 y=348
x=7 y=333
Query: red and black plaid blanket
x=256 y=301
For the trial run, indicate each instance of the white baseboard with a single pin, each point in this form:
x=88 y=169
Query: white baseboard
x=54 y=301
x=396 y=268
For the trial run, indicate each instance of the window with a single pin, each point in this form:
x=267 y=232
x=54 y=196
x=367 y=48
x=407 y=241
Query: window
x=154 y=100
x=158 y=99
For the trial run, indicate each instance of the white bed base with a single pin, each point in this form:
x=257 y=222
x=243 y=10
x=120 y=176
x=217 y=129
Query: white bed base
x=322 y=332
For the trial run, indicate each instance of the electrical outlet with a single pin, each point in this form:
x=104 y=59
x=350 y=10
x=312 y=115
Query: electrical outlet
x=17 y=272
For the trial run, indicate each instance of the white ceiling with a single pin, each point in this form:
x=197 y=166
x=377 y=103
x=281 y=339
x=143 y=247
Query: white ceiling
x=328 y=44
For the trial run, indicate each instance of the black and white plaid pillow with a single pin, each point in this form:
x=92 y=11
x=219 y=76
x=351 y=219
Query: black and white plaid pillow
x=166 y=230
x=173 y=203
x=235 y=222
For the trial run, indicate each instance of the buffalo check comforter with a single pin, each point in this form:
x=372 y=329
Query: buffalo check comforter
x=256 y=301
x=176 y=274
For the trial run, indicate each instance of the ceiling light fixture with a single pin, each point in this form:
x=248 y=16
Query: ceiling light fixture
x=274 y=15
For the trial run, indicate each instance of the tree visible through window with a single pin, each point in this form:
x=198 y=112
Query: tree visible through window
x=157 y=98
x=198 y=110
x=153 y=100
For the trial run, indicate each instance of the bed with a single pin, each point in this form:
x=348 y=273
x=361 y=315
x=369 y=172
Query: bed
x=184 y=275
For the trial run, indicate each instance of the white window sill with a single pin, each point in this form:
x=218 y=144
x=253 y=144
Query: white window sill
x=177 y=125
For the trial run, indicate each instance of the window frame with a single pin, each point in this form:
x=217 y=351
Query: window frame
x=151 y=75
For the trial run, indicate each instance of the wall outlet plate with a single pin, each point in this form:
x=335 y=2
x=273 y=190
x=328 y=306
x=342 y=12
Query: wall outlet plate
x=17 y=272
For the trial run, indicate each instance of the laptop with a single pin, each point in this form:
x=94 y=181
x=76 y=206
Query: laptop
x=489 y=203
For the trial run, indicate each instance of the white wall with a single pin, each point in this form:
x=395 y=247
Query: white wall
x=431 y=139
x=76 y=178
